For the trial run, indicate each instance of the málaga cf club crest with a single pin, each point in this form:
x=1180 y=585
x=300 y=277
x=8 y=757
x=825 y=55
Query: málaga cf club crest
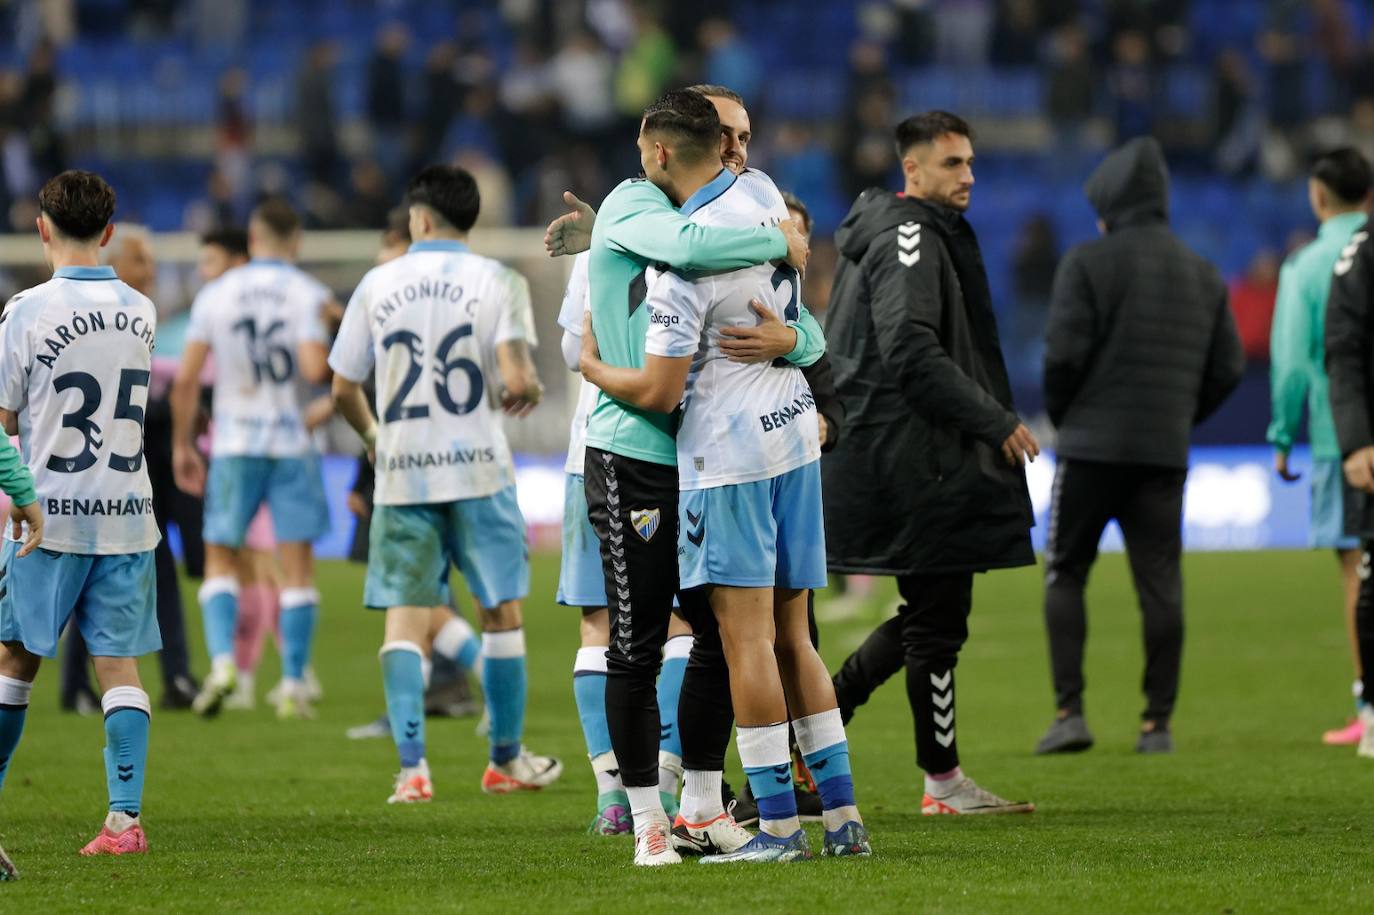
x=645 y=522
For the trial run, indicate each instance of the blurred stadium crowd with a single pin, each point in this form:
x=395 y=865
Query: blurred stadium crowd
x=195 y=108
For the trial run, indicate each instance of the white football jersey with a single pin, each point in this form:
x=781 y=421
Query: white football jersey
x=740 y=422
x=254 y=319
x=570 y=319
x=429 y=321
x=75 y=361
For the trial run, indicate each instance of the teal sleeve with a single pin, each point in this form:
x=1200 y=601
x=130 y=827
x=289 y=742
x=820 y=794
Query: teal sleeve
x=638 y=219
x=810 y=339
x=15 y=478
x=1290 y=358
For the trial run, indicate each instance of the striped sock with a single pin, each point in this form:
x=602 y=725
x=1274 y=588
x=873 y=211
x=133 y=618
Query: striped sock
x=300 y=607
x=403 y=680
x=14 y=707
x=504 y=683
x=127 y=716
x=219 y=607
x=767 y=763
x=821 y=739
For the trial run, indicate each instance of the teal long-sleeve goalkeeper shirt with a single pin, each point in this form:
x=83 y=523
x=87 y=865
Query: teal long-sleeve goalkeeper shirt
x=1297 y=350
x=15 y=479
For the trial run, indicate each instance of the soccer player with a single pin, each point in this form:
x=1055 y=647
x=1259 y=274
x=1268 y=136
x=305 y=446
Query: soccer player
x=262 y=321
x=429 y=321
x=258 y=577
x=631 y=460
x=748 y=452
x=77 y=355
x=1338 y=190
x=581 y=583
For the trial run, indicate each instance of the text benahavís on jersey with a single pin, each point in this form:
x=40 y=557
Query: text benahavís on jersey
x=781 y=417
x=457 y=456
x=76 y=507
x=81 y=325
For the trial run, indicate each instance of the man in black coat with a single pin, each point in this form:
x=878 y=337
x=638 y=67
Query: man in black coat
x=1140 y=347
x=1350 y=366
x=927 y=483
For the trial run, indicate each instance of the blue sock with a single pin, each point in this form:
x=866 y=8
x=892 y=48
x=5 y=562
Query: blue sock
x=830 y=767
x=589 y=689
x=503 y=681
x=14 y=706
x=825 y=749
x=675 y=654
x=299 y=610
x=405 y=699
x=127 y=712
x=459 y=643
x=767 y=760
x=219 y=606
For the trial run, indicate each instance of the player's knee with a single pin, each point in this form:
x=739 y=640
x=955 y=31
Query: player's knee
x=505 y=615
x=117 y=673
x=595 y=627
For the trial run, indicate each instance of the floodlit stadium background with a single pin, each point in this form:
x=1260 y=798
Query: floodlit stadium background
x=193 y=108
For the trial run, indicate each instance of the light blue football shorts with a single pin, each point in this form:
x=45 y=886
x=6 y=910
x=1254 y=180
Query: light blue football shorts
x=581 y=581
x=110 y=598
x=766 y=534
x=293 y=489
x=411 y=547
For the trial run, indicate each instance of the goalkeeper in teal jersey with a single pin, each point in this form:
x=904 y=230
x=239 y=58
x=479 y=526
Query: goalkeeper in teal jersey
x=1338 y=190
x=631 y=460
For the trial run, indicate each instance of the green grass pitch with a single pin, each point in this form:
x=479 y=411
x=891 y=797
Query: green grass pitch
x=1251 y=814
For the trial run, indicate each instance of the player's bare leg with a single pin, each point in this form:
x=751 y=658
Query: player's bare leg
x=505 y=684
x=1350 y=581
x=299 y=613
x=403 y=659
x=816 y=721
x=127 y=717
x=219 y=607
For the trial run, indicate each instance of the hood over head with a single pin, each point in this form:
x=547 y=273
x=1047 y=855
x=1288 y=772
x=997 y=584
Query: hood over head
x=1131 y=186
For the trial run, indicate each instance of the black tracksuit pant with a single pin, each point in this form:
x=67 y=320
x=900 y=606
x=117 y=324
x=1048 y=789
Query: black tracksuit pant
x=633 y=507
x=924 y=637
x=1147 y=502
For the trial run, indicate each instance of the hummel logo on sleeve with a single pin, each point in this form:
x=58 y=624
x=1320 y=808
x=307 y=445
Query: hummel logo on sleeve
x=1348 y=255
x=909 y=243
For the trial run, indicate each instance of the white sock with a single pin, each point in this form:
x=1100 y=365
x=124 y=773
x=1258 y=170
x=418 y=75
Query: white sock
x=117 y=821
x=701 y=796
x=944 y=787
x=607 y=772
x=669 y=772
x=645 y=807
x=223 y=667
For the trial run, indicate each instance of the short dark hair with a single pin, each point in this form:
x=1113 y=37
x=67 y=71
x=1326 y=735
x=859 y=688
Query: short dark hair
x=928 y=127
x=280 y=218
x=231 y=238
x=450 y=191
x=793 y=202
x=397 y=231
x=710 y=90
x=79 y=204
x=1345 y=172
x=691 y=122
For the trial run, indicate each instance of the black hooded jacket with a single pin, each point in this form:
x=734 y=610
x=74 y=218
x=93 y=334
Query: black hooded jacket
x=1350 y=344
x=918 y=484
x=1141 y=344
